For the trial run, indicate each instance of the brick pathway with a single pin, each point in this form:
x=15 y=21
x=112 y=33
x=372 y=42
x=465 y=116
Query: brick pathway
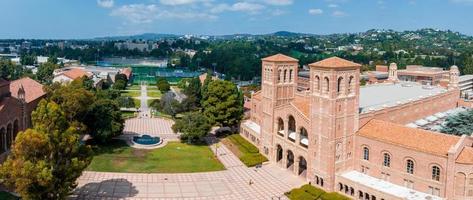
x=151 y=126
x=269 y=182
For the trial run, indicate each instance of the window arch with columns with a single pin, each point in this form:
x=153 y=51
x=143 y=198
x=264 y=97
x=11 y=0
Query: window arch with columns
x=304 y=137
x=327 y=85
x=340 y=86
x=317 y=83
x=351 y=85
x=280 y=126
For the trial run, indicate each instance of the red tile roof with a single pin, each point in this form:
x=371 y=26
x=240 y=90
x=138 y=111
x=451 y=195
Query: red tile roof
x=76 y=73
x=280 y=58
x=33 y=89
x=334 y=62
x=466 y=156
x=411 y=138
x=127 y=72
x=302 y=104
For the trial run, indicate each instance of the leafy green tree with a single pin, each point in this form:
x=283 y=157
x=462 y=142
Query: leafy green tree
x=45 y=72
x=460 y=124
x=53 y=60
x=46 y=161
x=104 y=120
x=126 y=102
x=193 y=126
x=223 y=103
x=163 y=85
x=468 y=65
x=27 y=59
x=10 y=71
x=119 y=84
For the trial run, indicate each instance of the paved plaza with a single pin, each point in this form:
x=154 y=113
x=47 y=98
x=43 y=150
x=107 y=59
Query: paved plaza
x=269 y=182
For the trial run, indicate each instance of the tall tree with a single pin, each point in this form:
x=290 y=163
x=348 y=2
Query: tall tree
x=193 y=126
x=223 y=103
x=46 y=161
x=104 y=120
x=163 y=85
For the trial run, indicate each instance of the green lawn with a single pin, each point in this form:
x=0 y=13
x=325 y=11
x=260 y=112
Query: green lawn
x=154 y=93
x=246 y=152
x=131 y=93
x=175 y=157
x=134 y=87
x=128 y=114
x=309 y=192
x=7 y=196
x=137 y=103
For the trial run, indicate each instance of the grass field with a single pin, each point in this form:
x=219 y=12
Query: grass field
x=131 y=93
x=128 y=114
x=175 y=157
x=309 y=192
x=246 y=152
x=154 y=93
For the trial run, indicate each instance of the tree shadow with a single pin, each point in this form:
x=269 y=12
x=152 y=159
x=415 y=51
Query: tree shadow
x=111 y=188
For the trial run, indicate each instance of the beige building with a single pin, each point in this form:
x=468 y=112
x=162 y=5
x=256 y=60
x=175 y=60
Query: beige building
x=359 y=140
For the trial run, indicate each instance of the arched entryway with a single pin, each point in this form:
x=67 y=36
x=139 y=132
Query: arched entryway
x=9 y=135
x=290 y=159
x=278 y=153
x=3 y=137
x=302 y=166
x=15 y=129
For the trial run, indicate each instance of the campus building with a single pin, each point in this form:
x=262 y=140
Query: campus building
x=357 y=140
x=17 y=100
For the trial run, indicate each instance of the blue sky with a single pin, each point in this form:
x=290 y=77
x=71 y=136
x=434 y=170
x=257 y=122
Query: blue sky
x=80 y=19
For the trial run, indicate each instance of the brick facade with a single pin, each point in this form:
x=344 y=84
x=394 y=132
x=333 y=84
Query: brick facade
x=319 y=134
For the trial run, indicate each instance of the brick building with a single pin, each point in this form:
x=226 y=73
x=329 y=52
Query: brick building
x=17 y=100
x=354 y=140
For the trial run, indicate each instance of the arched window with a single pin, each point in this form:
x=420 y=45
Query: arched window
x=290 y=75
x=280 y=127
x=387 y=160
x=285 y=75
x=366 y=153
x=410 y=166
x=317 y=83
x=304 y=137
x=279 y=75
x=436 y=173
x=327 y=84
x=339 y=85
x=350 y=85
x=292 y=124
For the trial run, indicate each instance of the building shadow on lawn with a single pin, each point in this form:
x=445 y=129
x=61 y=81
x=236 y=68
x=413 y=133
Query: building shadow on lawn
x=111 y=188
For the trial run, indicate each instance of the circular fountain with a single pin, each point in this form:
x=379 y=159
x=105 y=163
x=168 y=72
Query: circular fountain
x=147 y=141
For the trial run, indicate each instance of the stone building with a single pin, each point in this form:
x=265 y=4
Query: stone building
x=354 y=140
x=17 y=100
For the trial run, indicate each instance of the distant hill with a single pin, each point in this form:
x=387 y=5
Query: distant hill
x=144 y=36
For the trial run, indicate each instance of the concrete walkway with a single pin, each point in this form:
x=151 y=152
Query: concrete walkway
x=269 y=182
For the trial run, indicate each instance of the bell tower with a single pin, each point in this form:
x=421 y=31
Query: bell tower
x=278 y=86
x=334 y=116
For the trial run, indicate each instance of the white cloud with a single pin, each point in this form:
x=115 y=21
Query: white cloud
x=137 y=13
x=316 y=11
x=238 y=7
x=145 y=14
x=279 y=2
x=332 y=5
x=338 y=13
x=105 y=3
